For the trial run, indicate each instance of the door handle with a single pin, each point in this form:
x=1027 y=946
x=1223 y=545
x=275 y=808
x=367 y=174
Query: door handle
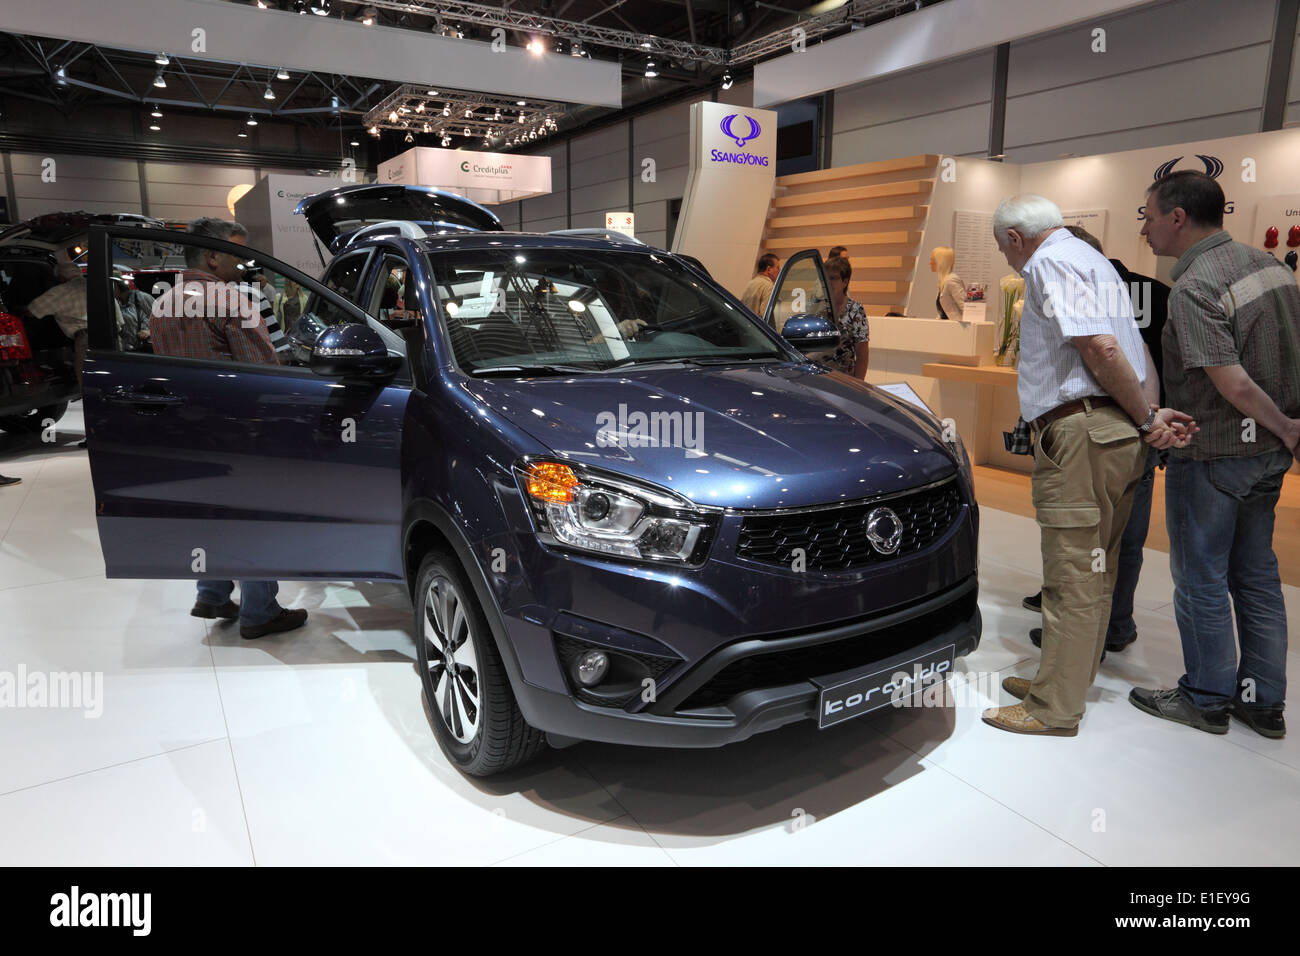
x=125 y=395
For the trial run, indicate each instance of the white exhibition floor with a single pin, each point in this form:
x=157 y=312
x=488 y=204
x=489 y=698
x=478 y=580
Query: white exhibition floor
x=314 y=747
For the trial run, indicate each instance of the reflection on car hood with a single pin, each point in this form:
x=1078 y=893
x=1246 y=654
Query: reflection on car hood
x=762 y=436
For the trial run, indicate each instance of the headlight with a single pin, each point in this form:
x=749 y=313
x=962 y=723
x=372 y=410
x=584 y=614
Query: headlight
x=591 y=511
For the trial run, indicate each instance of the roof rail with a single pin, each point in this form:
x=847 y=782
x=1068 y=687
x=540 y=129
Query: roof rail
x=592 y=233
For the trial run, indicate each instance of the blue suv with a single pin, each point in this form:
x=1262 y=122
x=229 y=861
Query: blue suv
x=625 y=508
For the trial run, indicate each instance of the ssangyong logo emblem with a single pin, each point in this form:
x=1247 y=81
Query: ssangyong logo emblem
x=729 y=120
x=1213 y=166
x=884 y=530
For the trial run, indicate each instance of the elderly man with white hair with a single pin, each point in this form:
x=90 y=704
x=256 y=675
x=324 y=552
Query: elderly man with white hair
x=1090 y=392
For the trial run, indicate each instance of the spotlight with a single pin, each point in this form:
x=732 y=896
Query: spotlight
x=535 y=47
x=373 y=131
x=263 y=4
x=410 y=138
x=242 y=135
x=466 y=130
x=159 y=81
x=157 y=113
x=645 y=44
x=355 y=143
x=650 y=70
x=269 y=94
x=575 y=49
x=727 y=80
x=282 y=74
x=468 y=113
x=320 y=7
x=446 y=140
x=161 y=59
x=430 y=92
x=420 y=108
x=497 y=116
x=155 y=127
x=392 y=117
x=60 y=77
x=251 y=121
x=560 y=46
x=300 y=7
x=446 y=109
x=426 y=128
x=369 y=15
x=521 y=117
x=521 y=102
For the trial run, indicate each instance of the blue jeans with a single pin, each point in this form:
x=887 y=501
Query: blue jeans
x=1220 y=518
x=257 y=603
x=1121 y=626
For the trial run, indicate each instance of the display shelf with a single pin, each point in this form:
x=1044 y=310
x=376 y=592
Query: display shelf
x=975 y=374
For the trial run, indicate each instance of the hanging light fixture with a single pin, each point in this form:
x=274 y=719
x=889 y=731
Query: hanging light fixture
x=727 y=80
x=320 y=7
x=420 y=108
x=157 y=113
x=446 y=109
x=369 y=15
x=160 y=81
x=355 y=143
x=282 y=74
x=392 y=117
x=410 y=138
x=161 y=59
x=497 y=115
x=269 y=94
x=251 y=121
x=373 y=131
x=466 y=130
x=242 y=135
x=650 y=70
x=155 y=127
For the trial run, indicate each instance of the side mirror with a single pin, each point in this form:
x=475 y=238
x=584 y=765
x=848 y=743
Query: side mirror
x=352 y=350
x=811 y=333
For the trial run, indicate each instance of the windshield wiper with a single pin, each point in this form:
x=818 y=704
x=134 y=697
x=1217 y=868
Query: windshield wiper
x=527 y=370
x=701 y=360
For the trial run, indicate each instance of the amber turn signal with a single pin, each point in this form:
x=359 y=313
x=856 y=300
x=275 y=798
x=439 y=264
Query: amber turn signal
x=551 y=481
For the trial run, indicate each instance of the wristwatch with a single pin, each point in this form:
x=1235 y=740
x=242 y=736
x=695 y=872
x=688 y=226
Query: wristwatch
x=1151 y=419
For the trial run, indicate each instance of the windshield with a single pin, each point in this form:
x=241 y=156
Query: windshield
x=587 y=310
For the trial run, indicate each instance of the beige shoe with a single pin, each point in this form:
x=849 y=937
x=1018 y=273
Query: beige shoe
x=1017 y=687
x=1019 y=721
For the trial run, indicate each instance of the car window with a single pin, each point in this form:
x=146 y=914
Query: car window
x=393 y=300
x=344 y=277
x=586 y=309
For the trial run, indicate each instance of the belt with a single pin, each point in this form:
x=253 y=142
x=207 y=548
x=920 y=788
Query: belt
x=1070 y=408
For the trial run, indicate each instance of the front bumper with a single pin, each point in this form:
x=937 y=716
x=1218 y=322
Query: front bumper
x=763 y=682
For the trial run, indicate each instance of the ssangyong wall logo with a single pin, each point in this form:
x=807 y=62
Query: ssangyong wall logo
x=728 y=127
x=1213 y=166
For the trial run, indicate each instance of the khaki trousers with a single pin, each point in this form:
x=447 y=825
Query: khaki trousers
x=1086 y=467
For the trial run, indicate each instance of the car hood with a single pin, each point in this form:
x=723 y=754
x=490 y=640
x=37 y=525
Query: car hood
x=768 y=436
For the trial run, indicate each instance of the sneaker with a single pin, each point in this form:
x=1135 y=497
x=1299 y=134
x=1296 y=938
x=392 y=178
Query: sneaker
x=1173 y=705
x=287 y=620
x=227 y=612
x=1033 y=603
x=1265 y=721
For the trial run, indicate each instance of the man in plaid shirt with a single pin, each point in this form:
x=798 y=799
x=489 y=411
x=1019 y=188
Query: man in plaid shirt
x=212 y=314
x=1232 y=360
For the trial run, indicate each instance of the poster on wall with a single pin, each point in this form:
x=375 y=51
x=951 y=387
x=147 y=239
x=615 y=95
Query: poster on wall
x=1094 y=220
x=975 y=251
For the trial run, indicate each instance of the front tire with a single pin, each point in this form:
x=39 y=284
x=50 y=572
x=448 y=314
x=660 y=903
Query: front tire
x=474 y=713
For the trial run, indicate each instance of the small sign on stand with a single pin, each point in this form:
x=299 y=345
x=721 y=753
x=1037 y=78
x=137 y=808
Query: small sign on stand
x=623 y=222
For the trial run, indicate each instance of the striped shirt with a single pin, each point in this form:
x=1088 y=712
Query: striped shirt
x=1231 y=304
x=1070 y=289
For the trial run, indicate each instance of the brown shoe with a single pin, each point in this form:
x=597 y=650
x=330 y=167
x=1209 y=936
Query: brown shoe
x=1019 y=721
x=1017 y=687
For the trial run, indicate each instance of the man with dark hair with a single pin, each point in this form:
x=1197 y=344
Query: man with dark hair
x=759 y=289
x=212 y=314
x=1232 y=349
x=840 y=251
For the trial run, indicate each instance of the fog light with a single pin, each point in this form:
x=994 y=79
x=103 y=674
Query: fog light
x=592 y=667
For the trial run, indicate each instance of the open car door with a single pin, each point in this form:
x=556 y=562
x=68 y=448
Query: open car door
x=800 y=289
x=218 y=454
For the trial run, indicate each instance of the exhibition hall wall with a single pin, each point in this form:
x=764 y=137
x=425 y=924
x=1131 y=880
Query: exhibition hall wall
x=1169 y=73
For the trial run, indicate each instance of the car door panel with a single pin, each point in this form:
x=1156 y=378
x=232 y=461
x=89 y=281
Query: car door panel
x=227 y=470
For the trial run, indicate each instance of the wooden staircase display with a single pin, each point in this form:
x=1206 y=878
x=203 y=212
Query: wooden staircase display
x=877 y=210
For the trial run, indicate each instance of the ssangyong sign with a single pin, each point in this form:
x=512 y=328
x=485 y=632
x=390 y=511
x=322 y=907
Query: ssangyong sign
x=483 y=177
x=739 y=138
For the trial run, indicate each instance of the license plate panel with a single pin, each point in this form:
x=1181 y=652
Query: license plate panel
x=844 y=696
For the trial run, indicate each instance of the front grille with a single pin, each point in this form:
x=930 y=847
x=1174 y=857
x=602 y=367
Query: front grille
x=835 y=539
x=819 y=660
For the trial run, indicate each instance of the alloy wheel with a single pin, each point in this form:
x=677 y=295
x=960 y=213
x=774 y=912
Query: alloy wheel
x=449 y=653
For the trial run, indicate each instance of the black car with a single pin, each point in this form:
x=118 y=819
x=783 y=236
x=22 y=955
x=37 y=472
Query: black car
x=37 y=378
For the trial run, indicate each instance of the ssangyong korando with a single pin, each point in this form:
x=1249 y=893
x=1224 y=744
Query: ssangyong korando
x=625 y=508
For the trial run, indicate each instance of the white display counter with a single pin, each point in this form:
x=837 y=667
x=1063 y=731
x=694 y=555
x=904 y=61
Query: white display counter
x=950 y=365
